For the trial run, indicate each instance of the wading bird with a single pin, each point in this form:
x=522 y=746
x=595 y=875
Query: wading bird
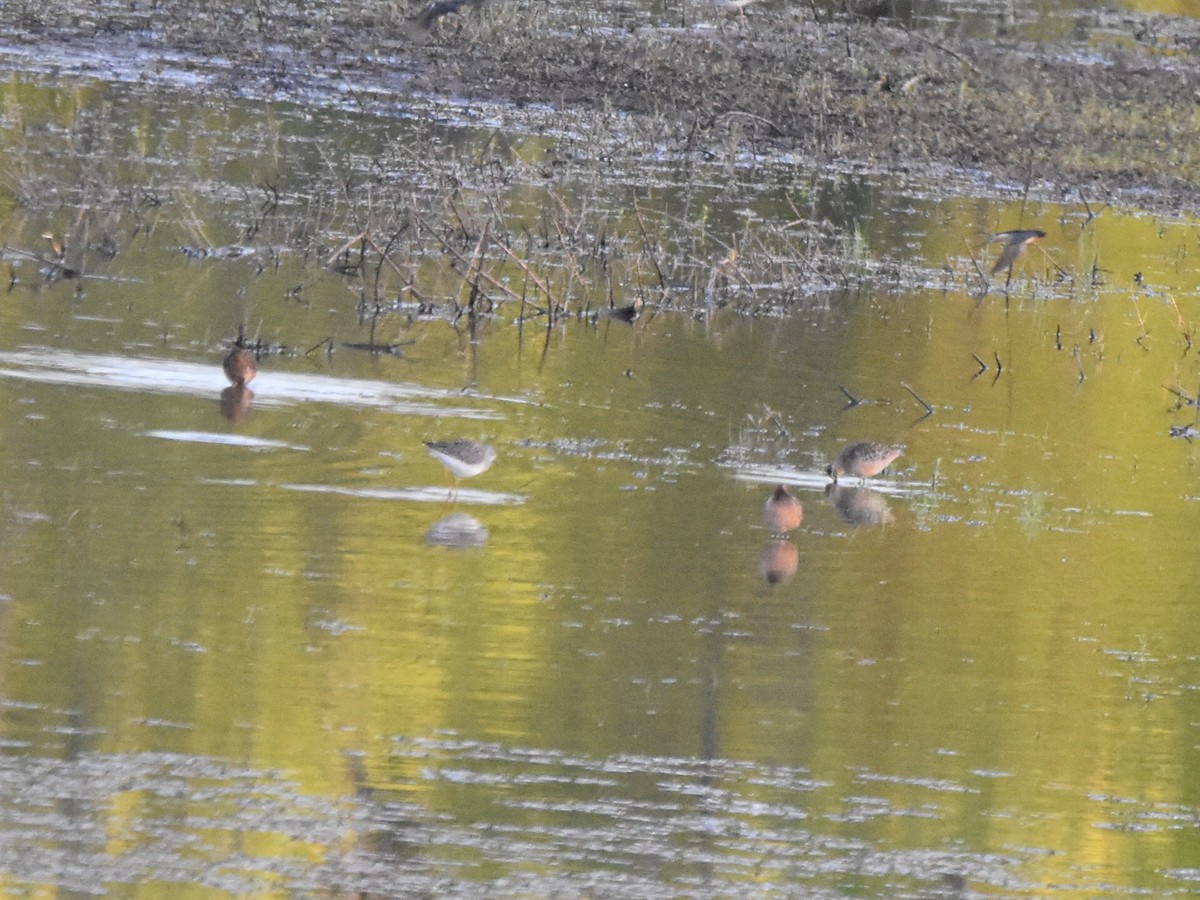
x=782 y=512
x=863 y=460
x=463 y=458
x=240 y=367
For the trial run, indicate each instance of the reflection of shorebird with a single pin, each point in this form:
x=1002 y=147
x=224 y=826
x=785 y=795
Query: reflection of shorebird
x=859 y=506
x=235 y=402
x=782 y=512
x=863 y=460
x=778 y=561
x=457 y=531
x=464 y=459
x=240 y=366
x=1015 y=243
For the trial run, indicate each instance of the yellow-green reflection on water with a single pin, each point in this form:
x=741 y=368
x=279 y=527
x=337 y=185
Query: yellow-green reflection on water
x=240 y=634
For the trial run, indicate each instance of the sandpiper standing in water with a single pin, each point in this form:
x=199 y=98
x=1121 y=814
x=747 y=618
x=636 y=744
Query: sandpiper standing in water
x=863 y=460
x=240 y=367
x=464 y=458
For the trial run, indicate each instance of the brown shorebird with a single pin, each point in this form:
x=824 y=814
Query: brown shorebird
x=240 y=366
x=464 y=459
x=782 y=512
x=863 y=460
x=1015 y=243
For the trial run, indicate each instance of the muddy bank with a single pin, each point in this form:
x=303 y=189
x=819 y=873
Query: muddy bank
x=1088 y=120
x=1110 y=115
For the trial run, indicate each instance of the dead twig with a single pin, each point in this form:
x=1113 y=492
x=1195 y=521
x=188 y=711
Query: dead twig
x=917 y=397
x=471 y=276
x=853 y=400
x=524 y=267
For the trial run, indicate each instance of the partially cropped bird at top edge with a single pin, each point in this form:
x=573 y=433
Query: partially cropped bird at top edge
x=732 y=7
x=1015 y=243
x=463 y=458
x=440 y=8
x=864 y=459
x=240 y=366
x=782 y=512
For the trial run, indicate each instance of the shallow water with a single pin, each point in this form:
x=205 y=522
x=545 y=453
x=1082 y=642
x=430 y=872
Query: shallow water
x=258 y=647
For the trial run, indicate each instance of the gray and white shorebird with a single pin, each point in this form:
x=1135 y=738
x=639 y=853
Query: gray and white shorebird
x=863 y=460
x=463 y=458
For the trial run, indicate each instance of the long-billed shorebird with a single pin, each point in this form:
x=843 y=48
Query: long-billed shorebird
x=240 y=367
x=463 y=458
x=863 y=459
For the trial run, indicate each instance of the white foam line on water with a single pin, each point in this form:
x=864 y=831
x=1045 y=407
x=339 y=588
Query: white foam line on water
x=165 y=376
x=818 y=481
x=211 y=437
x=418 y=494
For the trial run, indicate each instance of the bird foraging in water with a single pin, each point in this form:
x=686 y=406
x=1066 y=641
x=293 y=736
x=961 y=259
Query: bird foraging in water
x=782 y=512
x=240 y=367
x=1015 y=243
x=863 y=460
x=463 y=458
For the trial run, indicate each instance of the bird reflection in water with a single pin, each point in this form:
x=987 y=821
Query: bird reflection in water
x=859 y=506
x=236 y=402
x=457 y=531
x=240 y=368
x=782 y=512
x=778 y=561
